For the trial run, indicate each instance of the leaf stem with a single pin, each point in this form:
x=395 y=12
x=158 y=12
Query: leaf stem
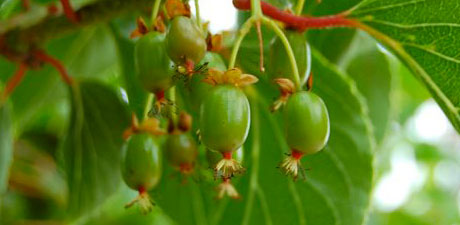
x=299 y=7
x=155 y=9
x=288 y=48
x=241 y=34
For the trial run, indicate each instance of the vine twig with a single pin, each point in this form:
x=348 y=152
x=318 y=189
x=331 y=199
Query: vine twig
x=299 y=22
x=14 y=81
x=42 y=56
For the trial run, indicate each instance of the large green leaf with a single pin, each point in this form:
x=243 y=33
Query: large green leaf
x=424 y=35
x=336 y=190
x=137 y=96
x=370 y=69
x=92 y=148
x=6 y=146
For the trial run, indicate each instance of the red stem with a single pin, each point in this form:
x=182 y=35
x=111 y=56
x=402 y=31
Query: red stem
x=142 y=190
x=26 y=4
x=160 y=95
x=42 y=56
x=296 y=154
x=298 y=22
x=68 y=11
x=15 y=80
x=227 y=155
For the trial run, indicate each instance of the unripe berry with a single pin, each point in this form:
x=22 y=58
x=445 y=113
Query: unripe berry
x=181 y=151
x=153 y=66
x=141 y=167
x=185 y=41
x=306 y=122
x=224 y=119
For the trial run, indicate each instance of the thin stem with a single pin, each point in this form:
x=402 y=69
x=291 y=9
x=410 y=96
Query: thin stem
x=14 y=80
x=241 y=34
x=288 y=48
x=172 y=98
x=299 y=7
x=197 y=15
x=256 y=9
x=42 y=56
x=156 y=8
x=148 y=106
x=69 y=11
x=261 y=46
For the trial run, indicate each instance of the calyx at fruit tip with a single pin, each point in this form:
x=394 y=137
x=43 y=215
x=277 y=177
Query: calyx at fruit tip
x=232 y=76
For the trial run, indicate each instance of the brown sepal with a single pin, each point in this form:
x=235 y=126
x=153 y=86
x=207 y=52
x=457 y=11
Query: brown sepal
x=310 y=82
x=185 y=122
x=286 y=88
x=159 y=24
x=232 y=76
x=177 y=8
x=149 y=125
x=214 y=42
x=141 y=29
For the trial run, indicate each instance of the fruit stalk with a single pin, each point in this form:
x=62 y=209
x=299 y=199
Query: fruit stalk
x=155 y=9
x=299 y=7
x=288 y=48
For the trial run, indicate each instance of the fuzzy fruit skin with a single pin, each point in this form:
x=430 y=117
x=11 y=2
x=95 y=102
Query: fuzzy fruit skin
x=224 y=118
x=306 y=122
x=141 y=167
x=279 y=65
x=198 y=89
x=184 y=40
x=180 y=149
x=153 y=66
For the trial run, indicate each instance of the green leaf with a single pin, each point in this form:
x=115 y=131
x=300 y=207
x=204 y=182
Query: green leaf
x=423 y=34
x=337 y=187
x=370 y=70
x=6 y=146
x=7 y=7
x=91 y=150
x=327 y=7
x=137 y=96
x=322 y=39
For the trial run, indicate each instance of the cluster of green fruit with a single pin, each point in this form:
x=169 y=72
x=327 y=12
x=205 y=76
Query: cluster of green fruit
x=220 y=105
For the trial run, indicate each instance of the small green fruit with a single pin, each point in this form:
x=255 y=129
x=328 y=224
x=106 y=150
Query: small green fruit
x=224 y=119
x=306 y=122
x=141 y=168
x=198 y=90
x=185 y=41
x=153 y=66
x=181 y=151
